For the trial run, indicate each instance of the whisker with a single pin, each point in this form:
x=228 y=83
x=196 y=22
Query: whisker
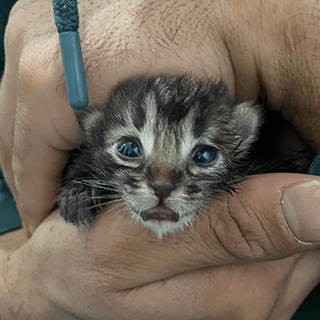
x=110 y=210
x=103 y=203
x=219 y=203
x=108 y=199
x=105 y=196
x=98 y=179
x=96 y=185
x=184 y=196
x=99 y=182
x=80 y=149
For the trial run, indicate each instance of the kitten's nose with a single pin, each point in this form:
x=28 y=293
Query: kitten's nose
x=162 y=190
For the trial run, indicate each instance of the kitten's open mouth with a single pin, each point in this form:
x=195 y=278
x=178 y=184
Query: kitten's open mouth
x=160 y=213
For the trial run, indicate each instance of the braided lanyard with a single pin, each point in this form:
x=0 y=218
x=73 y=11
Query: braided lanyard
x=66 y=18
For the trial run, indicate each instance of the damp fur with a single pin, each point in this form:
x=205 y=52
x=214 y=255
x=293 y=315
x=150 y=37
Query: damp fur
x=170 y=119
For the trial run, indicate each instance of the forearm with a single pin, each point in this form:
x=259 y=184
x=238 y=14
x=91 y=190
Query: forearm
x=9 y=302
x=46 y=276
x=18 y=299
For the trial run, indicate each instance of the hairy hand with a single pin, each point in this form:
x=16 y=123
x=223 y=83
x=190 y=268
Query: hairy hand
x=239 y=253
x=207 y=40
x=119 y=40
x=240 y=260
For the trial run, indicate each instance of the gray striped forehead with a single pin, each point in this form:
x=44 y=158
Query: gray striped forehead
x=89 y=120
x=162 y=140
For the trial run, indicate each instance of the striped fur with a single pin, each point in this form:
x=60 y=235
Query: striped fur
x=170 y=118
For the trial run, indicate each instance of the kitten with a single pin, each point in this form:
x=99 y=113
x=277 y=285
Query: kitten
x=163 y=145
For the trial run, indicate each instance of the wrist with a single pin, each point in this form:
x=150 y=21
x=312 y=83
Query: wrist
x=18 y=292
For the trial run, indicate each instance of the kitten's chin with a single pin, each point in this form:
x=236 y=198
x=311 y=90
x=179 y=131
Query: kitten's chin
x=160 y=213
x=162 y=222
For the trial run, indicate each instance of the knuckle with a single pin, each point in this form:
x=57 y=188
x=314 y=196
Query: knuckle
x=38 y=68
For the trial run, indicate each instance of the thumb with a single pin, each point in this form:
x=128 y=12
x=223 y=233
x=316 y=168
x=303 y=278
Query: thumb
x=300 y=205
x=271 y=217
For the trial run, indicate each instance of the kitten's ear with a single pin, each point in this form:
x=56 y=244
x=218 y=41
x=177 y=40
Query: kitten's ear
x=92 y=126
x=90 y=120
x=248 y=118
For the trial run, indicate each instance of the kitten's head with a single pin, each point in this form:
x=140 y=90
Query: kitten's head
x=166 y=144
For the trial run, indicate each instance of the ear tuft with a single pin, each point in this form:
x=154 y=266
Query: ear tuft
x=248 y=118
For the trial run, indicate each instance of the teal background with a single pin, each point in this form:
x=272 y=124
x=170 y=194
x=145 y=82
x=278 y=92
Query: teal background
x=9 y=217
x=5 y=7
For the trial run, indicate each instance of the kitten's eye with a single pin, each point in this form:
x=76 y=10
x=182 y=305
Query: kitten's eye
x=204 y=155
x=129 y=149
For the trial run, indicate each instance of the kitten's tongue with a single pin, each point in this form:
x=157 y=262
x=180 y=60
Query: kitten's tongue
x=160 y=213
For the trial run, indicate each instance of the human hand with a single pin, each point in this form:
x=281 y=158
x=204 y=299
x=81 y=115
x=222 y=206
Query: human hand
x=37 y=126
x=144 y=42
x=238 y=261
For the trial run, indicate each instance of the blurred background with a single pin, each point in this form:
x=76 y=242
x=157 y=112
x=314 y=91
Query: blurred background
x=5 y=7
x=9 y=218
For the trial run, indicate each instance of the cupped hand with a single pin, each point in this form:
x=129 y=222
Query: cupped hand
x=119 y=40
x=124 y=39
x=241 y=259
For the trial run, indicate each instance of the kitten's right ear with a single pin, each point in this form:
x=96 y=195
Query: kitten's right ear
x=90 y=122
x=248 y=118
x=89 y=118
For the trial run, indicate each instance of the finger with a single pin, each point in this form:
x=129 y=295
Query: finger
x=260 y=222
x=8 y=98
x=247 y=226
x=250 y=289
x=45 y=129
x=220 y=292
x=303 y=279
x=37 y=180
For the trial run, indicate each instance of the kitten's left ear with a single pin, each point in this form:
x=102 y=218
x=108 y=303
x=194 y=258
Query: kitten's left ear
x=248 y=118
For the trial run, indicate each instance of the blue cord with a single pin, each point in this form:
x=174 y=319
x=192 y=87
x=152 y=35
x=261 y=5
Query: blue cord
x=66 y=18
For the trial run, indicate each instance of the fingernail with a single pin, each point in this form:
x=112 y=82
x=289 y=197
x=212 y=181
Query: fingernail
x=301 y=208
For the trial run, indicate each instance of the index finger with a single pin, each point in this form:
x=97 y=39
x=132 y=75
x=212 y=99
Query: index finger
x=247 y=226
x=37 y=124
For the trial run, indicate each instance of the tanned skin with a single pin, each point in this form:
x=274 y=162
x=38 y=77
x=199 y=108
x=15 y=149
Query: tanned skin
x=240 y=260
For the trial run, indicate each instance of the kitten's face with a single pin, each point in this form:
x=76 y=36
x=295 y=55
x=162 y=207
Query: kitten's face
x=165 y=145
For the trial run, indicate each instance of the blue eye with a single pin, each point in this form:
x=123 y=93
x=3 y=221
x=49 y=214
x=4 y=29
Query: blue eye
x=129 y=149
x=204 y=155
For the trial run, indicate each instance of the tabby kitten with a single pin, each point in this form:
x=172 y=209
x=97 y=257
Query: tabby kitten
x=163 y=145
